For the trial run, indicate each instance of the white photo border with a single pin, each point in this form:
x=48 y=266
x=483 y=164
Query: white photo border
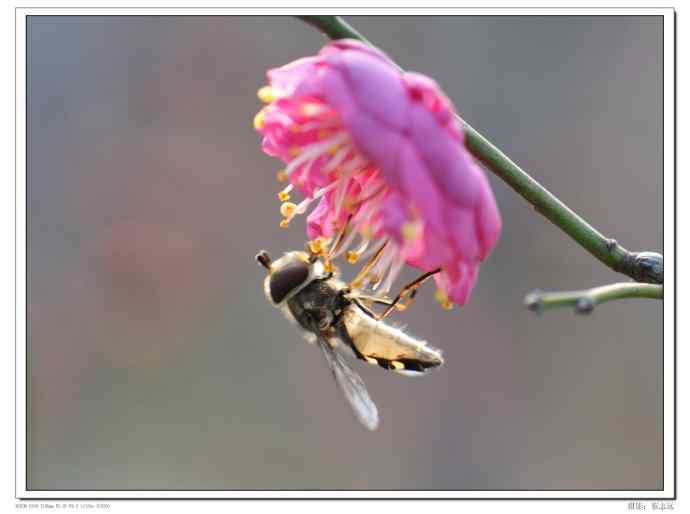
x=668 y=492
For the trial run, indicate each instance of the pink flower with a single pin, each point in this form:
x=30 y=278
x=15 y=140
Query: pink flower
x=383 y=149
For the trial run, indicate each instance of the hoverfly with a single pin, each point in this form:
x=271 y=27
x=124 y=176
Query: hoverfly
x=339 y=318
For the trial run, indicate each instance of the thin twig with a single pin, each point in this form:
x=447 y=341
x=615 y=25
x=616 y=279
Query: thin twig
x=585 y=301
x=641 y=266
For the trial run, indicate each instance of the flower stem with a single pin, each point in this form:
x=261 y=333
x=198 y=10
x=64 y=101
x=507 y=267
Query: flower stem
x=643 y=266
x=584 y=301
x=334 y=27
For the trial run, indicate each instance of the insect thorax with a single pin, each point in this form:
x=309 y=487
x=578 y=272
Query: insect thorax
x=317 y=304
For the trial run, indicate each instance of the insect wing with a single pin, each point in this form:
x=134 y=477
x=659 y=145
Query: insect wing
x=352 y=386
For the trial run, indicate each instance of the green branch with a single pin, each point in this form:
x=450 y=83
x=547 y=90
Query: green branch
x=584 y=301
x=642 y=266
x=334 y=27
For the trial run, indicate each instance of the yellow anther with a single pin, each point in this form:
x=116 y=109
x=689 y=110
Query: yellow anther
x=282 y=176
x=328 y=267
x=352 y=257
x=283 y=196
x=267 y=94
x=333 y=150
x=259 y=120
x=397 y=365
x=317 y=246
x=284 y=223
x=442 y=298
x=294 y=151
x=410 y=231
x=287 y=209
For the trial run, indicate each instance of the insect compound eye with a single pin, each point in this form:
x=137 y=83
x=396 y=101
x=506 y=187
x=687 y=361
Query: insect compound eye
x=288 y=278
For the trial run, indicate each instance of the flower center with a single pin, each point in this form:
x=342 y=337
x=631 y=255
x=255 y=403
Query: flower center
x=322 y=160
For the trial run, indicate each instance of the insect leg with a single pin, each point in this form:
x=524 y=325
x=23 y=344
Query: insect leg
x=364 y=302
x=410 y=289
x=366 y=310
x=380 y=300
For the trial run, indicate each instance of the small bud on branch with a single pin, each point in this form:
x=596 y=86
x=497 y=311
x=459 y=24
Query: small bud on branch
x=585 y=301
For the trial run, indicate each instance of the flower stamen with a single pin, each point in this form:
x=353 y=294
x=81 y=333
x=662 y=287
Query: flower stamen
x=372 y=196
x=318 y=246
x=345 y=244
x=441 y=297
x=287 y=209
x=379 y=271
x=268 y=94
x=310 y=152
x=282 y=176
x=337 y=159
x=393 y=273
x=284 y=195
x=353 y=256
x=259 y=120
x=320 y=192
x=328 y=266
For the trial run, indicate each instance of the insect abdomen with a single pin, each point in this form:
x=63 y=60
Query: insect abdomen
x=388 y=347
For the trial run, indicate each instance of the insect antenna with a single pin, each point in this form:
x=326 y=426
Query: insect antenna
x=264 y=259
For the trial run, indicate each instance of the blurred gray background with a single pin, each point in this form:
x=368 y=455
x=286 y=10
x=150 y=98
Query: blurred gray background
x=155 y=361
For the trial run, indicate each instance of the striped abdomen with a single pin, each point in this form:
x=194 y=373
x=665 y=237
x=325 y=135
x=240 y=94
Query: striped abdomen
x=389 y=347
